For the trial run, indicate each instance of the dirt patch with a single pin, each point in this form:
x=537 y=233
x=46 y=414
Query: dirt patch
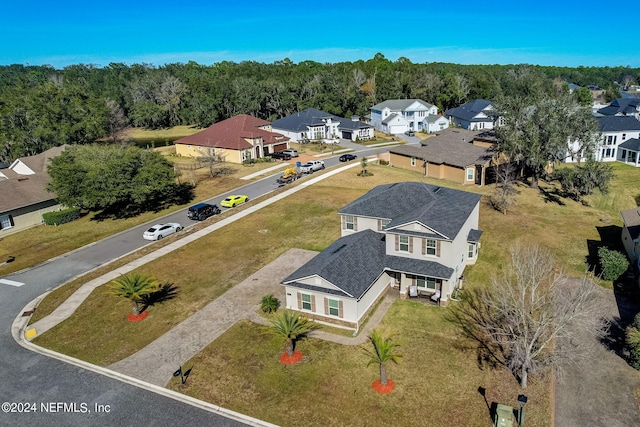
x=602 y=391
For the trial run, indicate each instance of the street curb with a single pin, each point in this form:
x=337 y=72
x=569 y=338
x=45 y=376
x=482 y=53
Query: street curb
x=17 y=331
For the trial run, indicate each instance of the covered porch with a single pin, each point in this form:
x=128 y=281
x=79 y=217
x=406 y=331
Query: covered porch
x=629 y=152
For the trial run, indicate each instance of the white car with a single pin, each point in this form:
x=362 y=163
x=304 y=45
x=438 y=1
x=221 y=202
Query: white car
x=158 y=231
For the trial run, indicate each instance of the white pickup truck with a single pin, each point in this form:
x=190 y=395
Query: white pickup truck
x=312 y=166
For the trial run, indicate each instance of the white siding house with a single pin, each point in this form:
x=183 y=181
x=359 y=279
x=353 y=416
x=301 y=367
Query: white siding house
x=397 y=236
x=399 y=115
x=617 y=142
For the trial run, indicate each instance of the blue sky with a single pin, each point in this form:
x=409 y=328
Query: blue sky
x=564 y=33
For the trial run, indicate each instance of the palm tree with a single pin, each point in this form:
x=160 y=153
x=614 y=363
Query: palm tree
x=133 y=286
x=290 y=326
x=383 y=352
x=269 y=304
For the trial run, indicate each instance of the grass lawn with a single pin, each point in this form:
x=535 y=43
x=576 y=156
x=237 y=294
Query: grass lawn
x=438 y=381
x=160 y=137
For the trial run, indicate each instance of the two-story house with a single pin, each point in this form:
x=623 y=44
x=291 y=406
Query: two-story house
x=619 y=141
x=622 y=107
x=315 y=125
x=401 y=236
x=474 y=115
x=234 y=140
x=399 y=115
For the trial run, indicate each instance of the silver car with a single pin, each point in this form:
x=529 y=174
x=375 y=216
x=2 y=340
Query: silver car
x=158 y=231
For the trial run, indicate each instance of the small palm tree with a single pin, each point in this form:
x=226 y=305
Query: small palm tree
x=133 y=286
x=290 y=326
x=269 y=304
x=383 y=352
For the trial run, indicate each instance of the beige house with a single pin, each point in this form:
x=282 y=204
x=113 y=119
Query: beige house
x=413 y=237
x=23 y=186
x=458 y=155
x=236 y=140
x=631 y=234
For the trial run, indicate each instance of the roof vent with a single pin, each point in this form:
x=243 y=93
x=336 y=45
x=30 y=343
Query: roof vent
x=437 y=189
x=338 y=249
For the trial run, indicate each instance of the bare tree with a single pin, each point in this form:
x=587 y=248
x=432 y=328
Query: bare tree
x=533 y=318
x=503 y=196
x=118 y=124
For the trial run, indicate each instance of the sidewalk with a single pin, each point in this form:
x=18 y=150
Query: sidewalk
x=157 y=361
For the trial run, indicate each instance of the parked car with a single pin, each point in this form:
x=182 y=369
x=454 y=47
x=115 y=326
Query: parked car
x=409 y=133
x=291 y=151
x=202 y=211
x=312 y=166
x=281 y=155
x=158 y=231
x=347 y=157
x=233 y=201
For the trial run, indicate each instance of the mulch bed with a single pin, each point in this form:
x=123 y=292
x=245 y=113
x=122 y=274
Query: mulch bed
x=383 y=389
x=285 y=359
x=140 y=317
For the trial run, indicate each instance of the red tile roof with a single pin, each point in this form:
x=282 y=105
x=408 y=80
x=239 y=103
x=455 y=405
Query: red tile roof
x=232 y=134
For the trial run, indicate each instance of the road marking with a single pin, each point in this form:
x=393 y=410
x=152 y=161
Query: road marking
x=10 y=283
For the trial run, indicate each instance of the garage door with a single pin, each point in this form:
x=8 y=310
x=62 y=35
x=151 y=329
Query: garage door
x=279 y=147
x=347 y=135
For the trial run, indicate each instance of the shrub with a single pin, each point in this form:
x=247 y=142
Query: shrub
x=269 y=304
x=61 y=217
x=613 y=263
x=632 y=340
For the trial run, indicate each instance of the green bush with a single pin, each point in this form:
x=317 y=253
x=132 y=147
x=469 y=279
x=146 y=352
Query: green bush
x=632 y=339
x=61 y=217
x=269 y=304
x=613 y=263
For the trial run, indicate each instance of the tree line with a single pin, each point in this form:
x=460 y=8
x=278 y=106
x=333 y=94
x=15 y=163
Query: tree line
x=42 y=107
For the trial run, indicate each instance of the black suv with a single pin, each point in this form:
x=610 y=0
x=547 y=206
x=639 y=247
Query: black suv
x=280 y=155
x=202 y=211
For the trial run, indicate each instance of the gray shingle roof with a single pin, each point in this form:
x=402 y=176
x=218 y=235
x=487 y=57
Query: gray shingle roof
x=617 y=123
x=442 y=209
x=354 y=262
x=299 y=122
x=399 y=104
x=621 y=106
x=470 y=110
x=474 y=236
x=631 y=218
x=632 y=144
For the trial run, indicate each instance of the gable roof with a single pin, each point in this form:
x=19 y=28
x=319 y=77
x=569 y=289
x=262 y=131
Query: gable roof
x=621 y=106
x=441 y=209
x=471 y=110
x=22 y=190
x=617 y=123
x=231 y=134
x=354 y=262
x=300 y=121
x=400 y=104
x=631 y=218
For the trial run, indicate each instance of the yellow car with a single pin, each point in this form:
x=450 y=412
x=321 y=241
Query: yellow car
x=232 y=201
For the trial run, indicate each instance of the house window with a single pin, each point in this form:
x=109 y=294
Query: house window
x=470 y=174
x=306 y=301
x=431 y=247
x=472 y=250
x=6 y=221
x=349 y=222
x=404 y=243
x=413 y=161
x=334 y=307
x=624 y=136
x=382 y=223
x=427 y=283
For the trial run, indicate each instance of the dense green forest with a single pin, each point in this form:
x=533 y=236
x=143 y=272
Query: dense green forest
x=42 y=107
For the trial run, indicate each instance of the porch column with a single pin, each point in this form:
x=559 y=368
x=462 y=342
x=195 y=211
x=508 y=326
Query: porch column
x=404 y=285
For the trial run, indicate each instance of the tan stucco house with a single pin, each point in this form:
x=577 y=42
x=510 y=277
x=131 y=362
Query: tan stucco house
x=233 y=140
x=458 y=155
x=23 y=186
x=401 y=236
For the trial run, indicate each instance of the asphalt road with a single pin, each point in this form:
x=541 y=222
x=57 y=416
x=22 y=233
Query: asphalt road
x=32 y=378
